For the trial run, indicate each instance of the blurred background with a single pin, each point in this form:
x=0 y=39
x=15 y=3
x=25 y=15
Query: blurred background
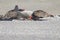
x=50 y=6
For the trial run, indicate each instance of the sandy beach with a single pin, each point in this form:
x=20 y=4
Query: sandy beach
x=30 y=30
x=50 y=6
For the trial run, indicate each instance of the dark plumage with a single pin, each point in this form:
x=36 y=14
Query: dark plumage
x=38 y=14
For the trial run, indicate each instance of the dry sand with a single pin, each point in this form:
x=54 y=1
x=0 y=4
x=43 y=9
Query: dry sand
x=50 y=6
